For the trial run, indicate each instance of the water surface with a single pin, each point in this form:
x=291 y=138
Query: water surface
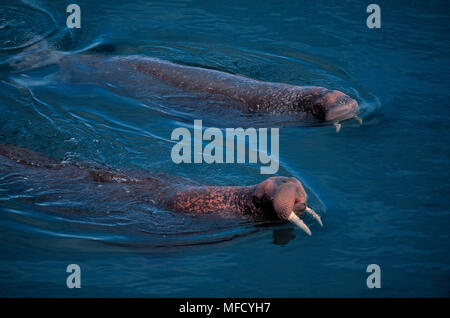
x=382 y=187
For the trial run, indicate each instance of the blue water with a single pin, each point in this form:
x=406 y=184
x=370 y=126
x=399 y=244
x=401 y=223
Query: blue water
x=382 y=187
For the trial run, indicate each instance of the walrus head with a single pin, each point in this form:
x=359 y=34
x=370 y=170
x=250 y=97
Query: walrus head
x=328 y=105
x=338 y=106
x=287 y=198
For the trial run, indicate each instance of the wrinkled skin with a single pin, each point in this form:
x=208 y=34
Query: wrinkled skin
x=273 y=198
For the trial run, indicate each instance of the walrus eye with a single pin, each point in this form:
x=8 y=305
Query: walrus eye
x=318 y=111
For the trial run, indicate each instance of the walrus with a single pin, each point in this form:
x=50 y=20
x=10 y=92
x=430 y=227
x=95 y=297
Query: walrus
x=276 y=198
x=140 y=76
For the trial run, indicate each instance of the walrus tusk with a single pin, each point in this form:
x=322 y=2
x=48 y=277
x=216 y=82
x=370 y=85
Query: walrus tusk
x=360 y=121
x=338 y=126
x=314 y=215
x=294 y=219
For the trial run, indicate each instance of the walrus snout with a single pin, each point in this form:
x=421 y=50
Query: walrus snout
x=334 y=106
x=343 y=108
x=288 y=199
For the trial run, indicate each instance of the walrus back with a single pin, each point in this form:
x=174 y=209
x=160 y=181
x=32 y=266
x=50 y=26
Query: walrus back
x=25 y=156
x=241 y=89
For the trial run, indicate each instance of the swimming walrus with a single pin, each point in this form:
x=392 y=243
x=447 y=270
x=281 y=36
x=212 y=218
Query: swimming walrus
x=141 y=76
x=275 y=198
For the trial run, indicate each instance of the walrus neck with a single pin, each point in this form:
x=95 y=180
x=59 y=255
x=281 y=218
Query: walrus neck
x=238 y=200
